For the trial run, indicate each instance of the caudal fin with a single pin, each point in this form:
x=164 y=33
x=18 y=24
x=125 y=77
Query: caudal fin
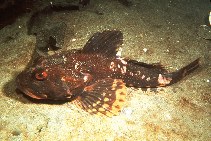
x=181 y=73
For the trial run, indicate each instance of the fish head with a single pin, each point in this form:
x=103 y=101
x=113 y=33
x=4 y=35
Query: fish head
x=47 y=80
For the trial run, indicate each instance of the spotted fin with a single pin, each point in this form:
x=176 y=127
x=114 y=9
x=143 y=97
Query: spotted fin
x=105 y=97
x=106 y=43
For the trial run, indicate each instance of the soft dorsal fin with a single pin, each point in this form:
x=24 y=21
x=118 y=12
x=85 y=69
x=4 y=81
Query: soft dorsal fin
x=156 y=66
x=106 y=43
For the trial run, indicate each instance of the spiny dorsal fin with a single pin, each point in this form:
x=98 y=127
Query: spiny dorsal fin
x=106 y=43
x=106 y=97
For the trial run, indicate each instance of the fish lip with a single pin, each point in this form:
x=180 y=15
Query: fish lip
x=28 y=92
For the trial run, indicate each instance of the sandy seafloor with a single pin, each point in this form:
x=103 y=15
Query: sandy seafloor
x=173 y=32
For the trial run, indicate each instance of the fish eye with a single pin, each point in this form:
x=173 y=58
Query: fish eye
x=41 y=75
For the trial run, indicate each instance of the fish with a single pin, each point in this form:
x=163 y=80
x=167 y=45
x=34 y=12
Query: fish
x=96 y=77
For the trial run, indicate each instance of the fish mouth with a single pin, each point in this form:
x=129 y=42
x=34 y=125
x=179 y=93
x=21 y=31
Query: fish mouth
x=30 y=93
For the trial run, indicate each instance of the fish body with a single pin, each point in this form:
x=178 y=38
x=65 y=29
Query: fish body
x=95 y=77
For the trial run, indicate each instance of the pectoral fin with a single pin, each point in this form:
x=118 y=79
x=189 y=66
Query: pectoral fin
x=106 y=97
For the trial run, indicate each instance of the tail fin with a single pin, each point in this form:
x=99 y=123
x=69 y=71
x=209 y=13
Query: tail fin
x=181 y=73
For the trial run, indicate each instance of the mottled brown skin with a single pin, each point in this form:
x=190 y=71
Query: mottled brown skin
x=69 y=73
x=95 y=79
x=65 y=75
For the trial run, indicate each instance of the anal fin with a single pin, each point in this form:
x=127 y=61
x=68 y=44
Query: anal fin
x=106 y=96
